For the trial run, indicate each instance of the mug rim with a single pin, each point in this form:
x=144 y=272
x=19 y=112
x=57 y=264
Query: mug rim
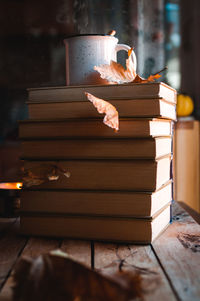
x=89 y=35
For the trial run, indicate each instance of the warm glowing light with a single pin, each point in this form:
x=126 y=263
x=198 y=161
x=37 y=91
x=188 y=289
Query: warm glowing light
x=10 y=185
x=19 y=185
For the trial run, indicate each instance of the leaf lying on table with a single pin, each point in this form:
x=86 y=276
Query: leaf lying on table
x=112 y=117
x=56 y=276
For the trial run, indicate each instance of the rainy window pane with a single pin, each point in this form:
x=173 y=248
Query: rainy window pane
x=172 y=43
x=33 y=53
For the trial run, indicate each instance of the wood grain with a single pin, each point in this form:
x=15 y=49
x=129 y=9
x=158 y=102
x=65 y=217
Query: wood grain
x=80 y=250
x=178 y=251
x=34 y=248
x=5 y=223
x=169 y=268
x=38 y=246
x=11 y=245
x=135 y=259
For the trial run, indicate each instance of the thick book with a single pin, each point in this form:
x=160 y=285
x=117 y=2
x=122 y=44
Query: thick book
x=98 y=203
x=85 y=109
x=120 y=229
x=151 y=148
x=139 y=175
x=107 y=92
x=128 y=128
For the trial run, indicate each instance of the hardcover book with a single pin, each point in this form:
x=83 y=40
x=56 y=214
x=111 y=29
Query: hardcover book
x=107 y=92
x=127 y=148
x=96 y=203
x=138 y=175
x=120 y=229
x=94 y=128
x=84 y=109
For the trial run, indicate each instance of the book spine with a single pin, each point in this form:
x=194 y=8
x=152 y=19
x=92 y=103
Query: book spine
x=91 y=148
x=129 y=128
x=107 y=92
x=84 y=109
x=87 y=228
x=139 y=175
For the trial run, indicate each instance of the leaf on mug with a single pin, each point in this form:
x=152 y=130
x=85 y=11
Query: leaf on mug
x=111 y=33
x=111 y=118
x=130 y=67
x=152 y=77
x=116 y=73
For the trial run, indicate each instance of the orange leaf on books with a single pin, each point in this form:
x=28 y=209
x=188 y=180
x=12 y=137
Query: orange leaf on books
x=111 y=118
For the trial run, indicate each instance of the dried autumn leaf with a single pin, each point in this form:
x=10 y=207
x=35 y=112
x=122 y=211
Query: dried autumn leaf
x=56 y=276
x=112 y=117
x=42 y=173
x=30 y=179
x=138 y=79
x=53 y=177
x=111 y=33
x=67 y=174
x=116 y=73
x=151 y=78
x=131 y=66
x=28 y=182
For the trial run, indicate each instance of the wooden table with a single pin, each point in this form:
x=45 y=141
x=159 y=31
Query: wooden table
x=170 y=267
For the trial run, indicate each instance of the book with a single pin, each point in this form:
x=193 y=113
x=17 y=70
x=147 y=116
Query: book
x=96 y=203
x=84 y=109
x=107 y=92
x=138 y=175
x=128 y=127
x=121 y=229
x=126 y=148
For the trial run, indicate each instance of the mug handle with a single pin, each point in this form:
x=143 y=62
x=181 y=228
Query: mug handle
x=127 y=48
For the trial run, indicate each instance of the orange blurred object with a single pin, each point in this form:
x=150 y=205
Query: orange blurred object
x=16 y=185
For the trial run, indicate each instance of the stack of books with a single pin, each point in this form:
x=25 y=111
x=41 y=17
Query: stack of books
x=87 y=181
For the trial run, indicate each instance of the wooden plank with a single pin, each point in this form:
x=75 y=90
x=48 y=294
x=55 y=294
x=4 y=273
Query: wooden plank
x=34 y=248
x=155 y=286
x=79 y=249
x=5 y=223
x=178 y=250
x=11 y=244
x=37 y=246
x=6 y=292
x=194 y=214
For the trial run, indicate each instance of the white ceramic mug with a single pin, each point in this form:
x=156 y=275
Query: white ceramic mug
x=86 y=51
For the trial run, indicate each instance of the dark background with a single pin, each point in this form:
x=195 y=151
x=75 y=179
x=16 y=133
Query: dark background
x=32 y=52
